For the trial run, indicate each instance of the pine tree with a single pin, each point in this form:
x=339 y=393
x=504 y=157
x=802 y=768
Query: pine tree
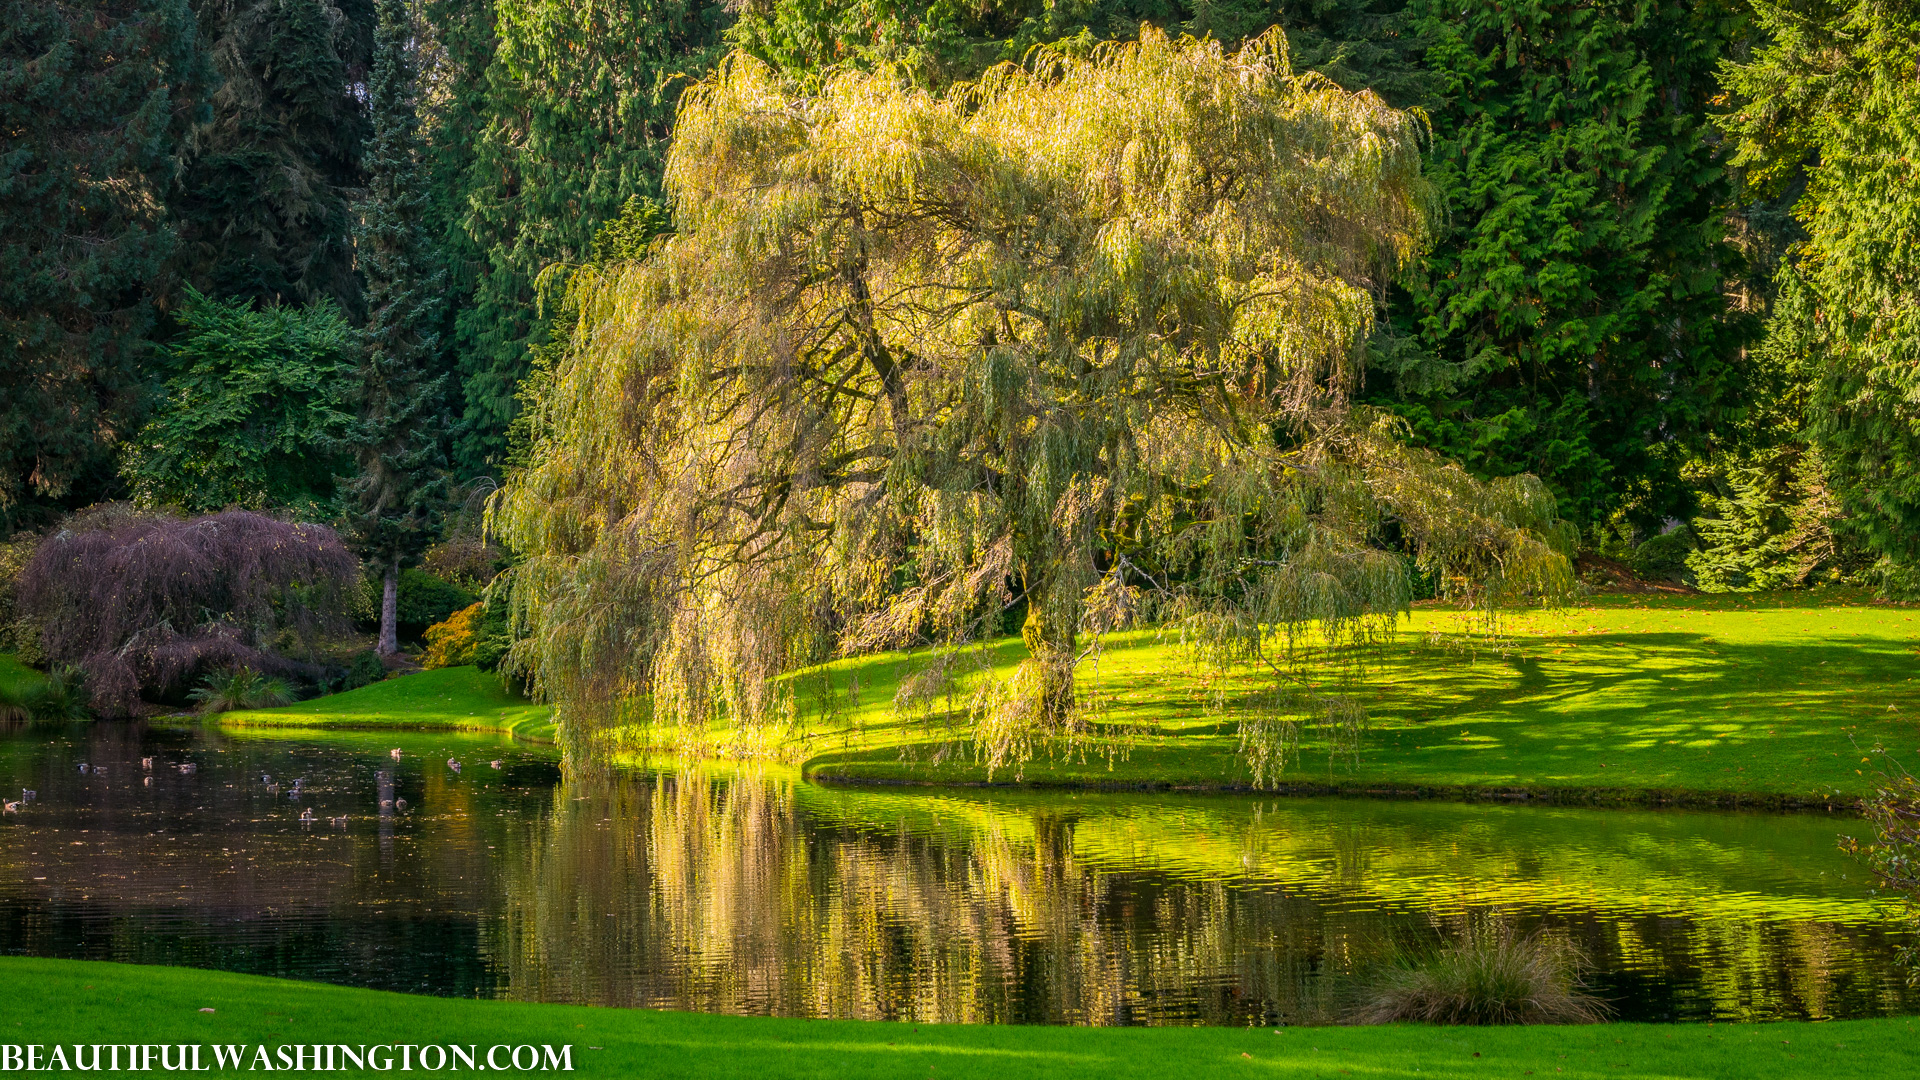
x=95 y=99
x=1570 y=322
x=579 y=100
x=1833 y=98
x=265 y=200
x=398 y=494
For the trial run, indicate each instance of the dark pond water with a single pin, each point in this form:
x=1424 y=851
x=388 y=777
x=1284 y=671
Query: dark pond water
x=750 y=892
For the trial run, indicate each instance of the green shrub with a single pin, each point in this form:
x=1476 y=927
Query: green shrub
x=62 y=695
x=1664 y=557
x=240 y=688
x=1490 y=977
x=474 y=635
x=425 y=599
x=364 y=669
x=1770 y=521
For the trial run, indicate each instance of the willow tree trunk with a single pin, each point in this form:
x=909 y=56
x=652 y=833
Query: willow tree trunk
x=1050 y=642
x=390 y=611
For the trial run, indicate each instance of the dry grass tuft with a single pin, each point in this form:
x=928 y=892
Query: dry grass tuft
x=1492 y=976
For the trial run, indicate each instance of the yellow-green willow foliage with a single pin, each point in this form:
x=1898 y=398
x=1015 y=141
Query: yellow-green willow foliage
x=1078 y=335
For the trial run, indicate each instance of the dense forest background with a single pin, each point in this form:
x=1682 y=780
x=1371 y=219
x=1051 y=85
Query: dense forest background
x=311 y=255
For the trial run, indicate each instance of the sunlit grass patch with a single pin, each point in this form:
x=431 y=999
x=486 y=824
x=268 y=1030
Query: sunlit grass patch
x=459 y=698
x=80 y=1002
x=1754 y=696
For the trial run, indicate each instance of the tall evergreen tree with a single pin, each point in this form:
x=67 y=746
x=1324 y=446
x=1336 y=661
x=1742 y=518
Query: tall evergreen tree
x=1833 y=97
x=456 y=46
x=579 y=100
x=265 y=201
x=1570 y=322
x=397 y=497
x=95 y=99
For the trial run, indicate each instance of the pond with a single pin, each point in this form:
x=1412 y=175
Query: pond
x=748 y=891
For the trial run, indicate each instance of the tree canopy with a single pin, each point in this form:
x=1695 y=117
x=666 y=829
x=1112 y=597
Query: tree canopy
x=256 y=410
x=1075 y=338
x=1832 y=98
x=94 y=98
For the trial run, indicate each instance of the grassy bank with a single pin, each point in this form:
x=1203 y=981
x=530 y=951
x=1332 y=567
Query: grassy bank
x=16 y=676
x=456 y=699
x=1751 y=700
x=1765 y=700
x=77 y=1002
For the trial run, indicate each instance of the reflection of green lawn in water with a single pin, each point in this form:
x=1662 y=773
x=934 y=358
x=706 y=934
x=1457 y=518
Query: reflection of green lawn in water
x=1432 y=856
x=1747 y=695
x=75 y=1002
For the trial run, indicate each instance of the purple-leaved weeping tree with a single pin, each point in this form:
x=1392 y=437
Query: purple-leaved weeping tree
x=146 y=603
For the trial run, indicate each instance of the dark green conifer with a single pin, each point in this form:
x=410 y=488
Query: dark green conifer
x=265 y=200
x=579 y=102
x=398 y=495
x=95 y=98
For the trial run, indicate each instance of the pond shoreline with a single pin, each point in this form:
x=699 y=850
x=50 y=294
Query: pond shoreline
x=1847 y=805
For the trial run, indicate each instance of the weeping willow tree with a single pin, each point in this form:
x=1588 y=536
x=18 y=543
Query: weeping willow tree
x=1073 y=341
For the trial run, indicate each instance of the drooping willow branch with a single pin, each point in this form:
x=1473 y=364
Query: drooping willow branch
x=911 y=356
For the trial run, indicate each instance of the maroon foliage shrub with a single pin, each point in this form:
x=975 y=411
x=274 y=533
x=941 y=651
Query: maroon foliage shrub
x=146 y=603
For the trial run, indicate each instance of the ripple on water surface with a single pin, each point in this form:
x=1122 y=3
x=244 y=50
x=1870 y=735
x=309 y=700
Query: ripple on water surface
x=748 y=893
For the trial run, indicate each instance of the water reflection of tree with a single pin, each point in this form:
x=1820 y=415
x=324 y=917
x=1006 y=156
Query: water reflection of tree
x=730 y=896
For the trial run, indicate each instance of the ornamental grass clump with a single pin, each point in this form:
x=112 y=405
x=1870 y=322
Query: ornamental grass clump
x=1491 y=976
x=60 y=695
x=239 y=688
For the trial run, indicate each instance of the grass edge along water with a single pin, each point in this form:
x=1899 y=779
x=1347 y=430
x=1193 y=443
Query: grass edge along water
x=1767 y=700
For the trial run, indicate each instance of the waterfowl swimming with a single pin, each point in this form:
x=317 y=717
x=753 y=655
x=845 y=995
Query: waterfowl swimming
x=188 y=766
x=399 y=804
x=83 y=768
x=495 y=763
x=10 y=807
x=306 y=816
x=28 y=794
x=452 y=764
x=273 y=789
x=338 y=822
x=394 y=753
x=386 y=804
x=146 y=763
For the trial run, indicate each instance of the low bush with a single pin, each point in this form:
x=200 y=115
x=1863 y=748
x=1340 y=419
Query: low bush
x=147 y=604
x=425 y=599
x=472 y=635
x=60 y=695
x=240 y=688
x=1491 y=976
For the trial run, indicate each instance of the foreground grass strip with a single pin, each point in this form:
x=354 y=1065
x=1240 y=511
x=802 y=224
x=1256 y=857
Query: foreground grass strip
x=71 y=1002
x=455 y=699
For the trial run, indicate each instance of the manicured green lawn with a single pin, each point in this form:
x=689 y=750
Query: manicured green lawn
x=1763 y=698
x=16 y=675
x=70 y=1002
x=461 y=698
